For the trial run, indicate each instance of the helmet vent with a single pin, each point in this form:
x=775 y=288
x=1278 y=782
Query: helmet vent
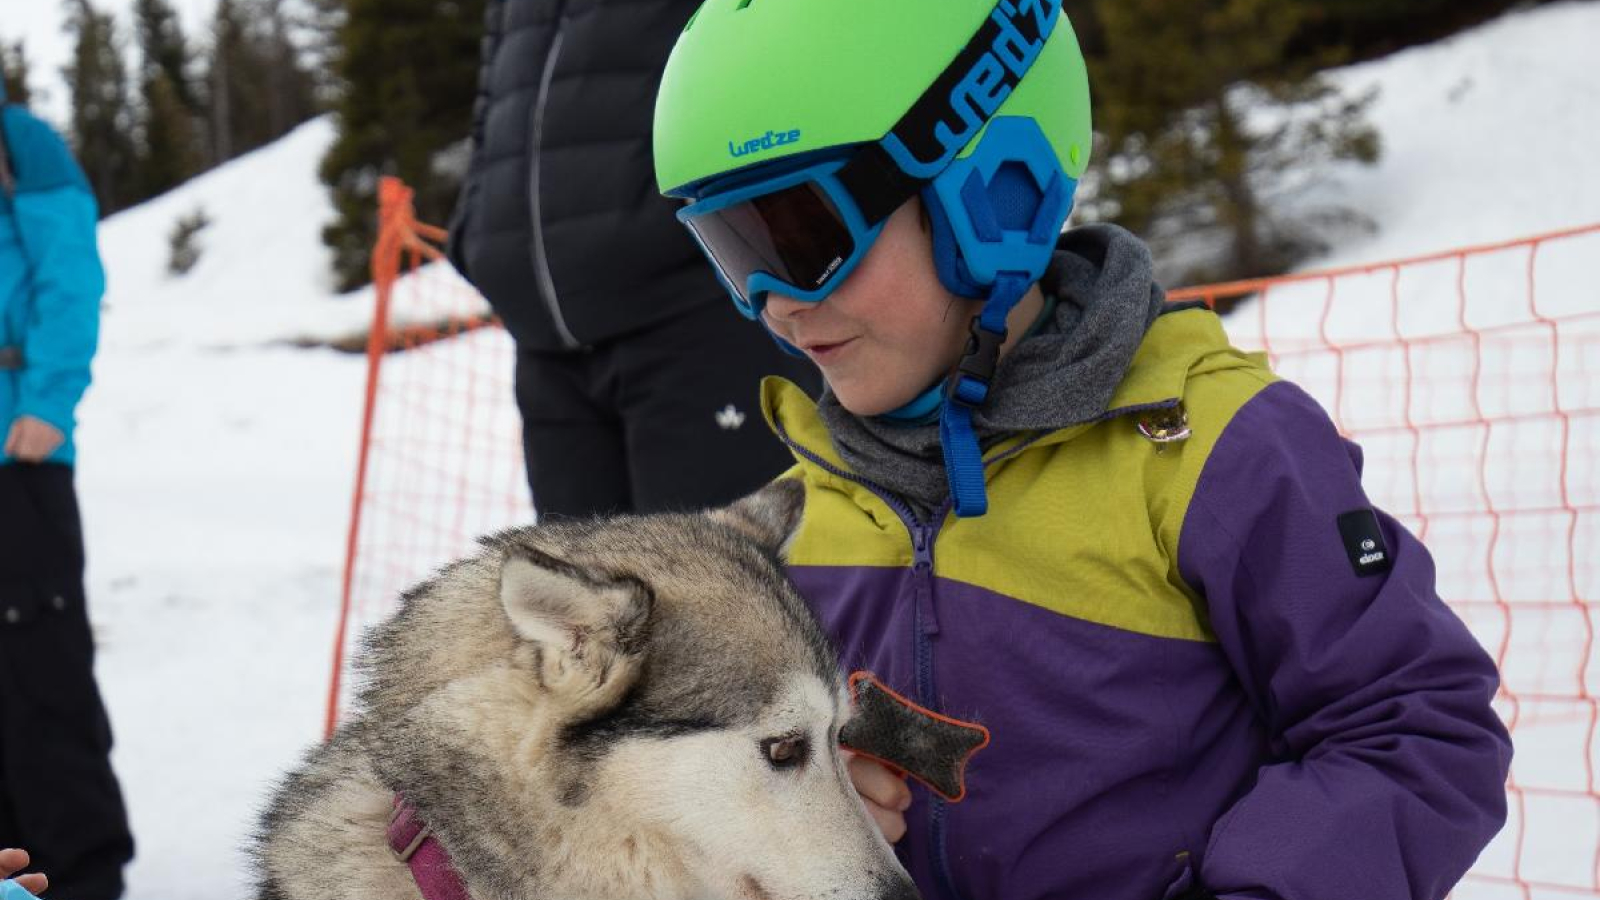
x=692 y=16
x=743 y=4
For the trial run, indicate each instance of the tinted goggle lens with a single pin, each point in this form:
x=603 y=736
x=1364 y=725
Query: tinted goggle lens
x=796 y=235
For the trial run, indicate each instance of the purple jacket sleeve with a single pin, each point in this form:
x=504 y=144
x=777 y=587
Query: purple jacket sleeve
x=1390 y=765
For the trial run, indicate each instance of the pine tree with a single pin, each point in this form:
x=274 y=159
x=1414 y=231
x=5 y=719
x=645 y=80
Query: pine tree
x=164 y=49
x=1209 y=128
x=14 y=70
x=318 y=22
x=258 y=88
x=102 y=121
x=183 y=250
x=171 y=148
x=171 y=142
x=408 y=73
x=229 y=83
x=290 y=85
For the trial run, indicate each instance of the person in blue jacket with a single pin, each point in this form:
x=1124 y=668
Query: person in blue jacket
x=58 y=794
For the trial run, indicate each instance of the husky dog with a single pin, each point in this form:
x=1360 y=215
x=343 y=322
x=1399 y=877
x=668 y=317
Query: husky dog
x=636 y=707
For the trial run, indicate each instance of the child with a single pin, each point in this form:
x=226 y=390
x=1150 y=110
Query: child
x=1040 y=499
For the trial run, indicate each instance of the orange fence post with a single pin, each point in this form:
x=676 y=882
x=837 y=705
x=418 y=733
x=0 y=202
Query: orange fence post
x=448 y=342
x=396 y=233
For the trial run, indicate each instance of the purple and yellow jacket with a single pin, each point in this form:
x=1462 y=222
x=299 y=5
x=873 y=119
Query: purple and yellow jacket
x=1183 y=673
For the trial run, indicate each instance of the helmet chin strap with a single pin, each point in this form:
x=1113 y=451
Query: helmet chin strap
x=952 y=401
x=994 y=218
x=968 y=387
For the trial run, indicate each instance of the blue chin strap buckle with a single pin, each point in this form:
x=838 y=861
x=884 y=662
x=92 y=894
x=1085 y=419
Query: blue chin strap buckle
x=996 y=215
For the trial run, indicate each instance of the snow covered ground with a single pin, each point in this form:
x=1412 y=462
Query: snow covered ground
x=1487 y=136
x=216 y=461
x=215 y=480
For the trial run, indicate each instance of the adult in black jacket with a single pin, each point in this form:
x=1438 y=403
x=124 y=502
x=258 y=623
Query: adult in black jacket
x=636 y=379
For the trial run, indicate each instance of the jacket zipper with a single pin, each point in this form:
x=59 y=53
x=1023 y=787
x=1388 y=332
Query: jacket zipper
x=541 y=260
x=924 y=624
x=937 y=808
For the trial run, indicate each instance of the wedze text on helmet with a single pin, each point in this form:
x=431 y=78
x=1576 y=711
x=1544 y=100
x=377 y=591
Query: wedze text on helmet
x=1000 y=54
x=765 y=142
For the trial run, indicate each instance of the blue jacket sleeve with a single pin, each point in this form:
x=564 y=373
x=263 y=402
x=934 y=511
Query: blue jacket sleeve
x=62 y=323
x=10 y=890
x=1390 y=764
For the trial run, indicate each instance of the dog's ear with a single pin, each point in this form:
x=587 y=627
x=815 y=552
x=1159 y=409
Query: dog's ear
x=591 y=630
x=771 y=515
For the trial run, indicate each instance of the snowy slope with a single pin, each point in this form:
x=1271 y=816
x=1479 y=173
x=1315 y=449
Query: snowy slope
x=216 y=463
x=262 y=268
x=215 y=483
x=1487 y=136
x=262 y=274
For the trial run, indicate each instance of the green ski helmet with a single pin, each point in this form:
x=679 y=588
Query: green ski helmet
x=796 y=128
x=838 y=72
x=752 y=82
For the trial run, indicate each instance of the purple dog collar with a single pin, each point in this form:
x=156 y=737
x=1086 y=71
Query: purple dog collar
x=413 y=843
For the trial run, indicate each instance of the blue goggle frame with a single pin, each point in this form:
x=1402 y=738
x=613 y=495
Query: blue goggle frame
x=749 y=289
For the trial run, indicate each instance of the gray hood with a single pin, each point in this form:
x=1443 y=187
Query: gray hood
x=1063 y=374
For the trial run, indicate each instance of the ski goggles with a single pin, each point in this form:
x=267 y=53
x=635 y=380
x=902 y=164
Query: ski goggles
x=799 y=233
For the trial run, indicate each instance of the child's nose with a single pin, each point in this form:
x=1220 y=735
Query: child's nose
x=784 y=308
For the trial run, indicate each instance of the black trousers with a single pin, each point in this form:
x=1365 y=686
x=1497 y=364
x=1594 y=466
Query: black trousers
x=58 y=797
x=665 y=419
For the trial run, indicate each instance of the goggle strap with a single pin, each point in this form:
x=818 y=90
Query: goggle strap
x=877 y=184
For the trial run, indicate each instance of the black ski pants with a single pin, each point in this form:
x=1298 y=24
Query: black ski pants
x=58 y=797
x=667 y=418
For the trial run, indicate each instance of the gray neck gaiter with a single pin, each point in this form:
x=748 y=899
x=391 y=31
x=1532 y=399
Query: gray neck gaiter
x=1063 y=374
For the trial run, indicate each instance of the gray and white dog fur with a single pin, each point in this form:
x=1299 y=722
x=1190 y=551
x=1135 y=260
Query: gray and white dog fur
x=615 y=709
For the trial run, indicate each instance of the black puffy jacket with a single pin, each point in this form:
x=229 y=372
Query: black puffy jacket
x=573 y=244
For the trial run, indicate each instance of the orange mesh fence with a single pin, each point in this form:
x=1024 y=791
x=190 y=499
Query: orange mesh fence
x=440 y=460
x=1471 y=379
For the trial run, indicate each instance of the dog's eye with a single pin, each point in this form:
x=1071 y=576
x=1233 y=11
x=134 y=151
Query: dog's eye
x=786 y=752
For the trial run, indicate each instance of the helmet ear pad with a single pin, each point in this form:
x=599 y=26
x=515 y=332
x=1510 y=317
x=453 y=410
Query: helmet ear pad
x=998 y=209
x=947 y=258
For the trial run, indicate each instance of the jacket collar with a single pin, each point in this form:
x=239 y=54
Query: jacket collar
x=1179 y=344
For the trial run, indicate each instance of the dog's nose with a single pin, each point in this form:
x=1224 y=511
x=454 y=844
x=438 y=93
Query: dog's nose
x=897 y=887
